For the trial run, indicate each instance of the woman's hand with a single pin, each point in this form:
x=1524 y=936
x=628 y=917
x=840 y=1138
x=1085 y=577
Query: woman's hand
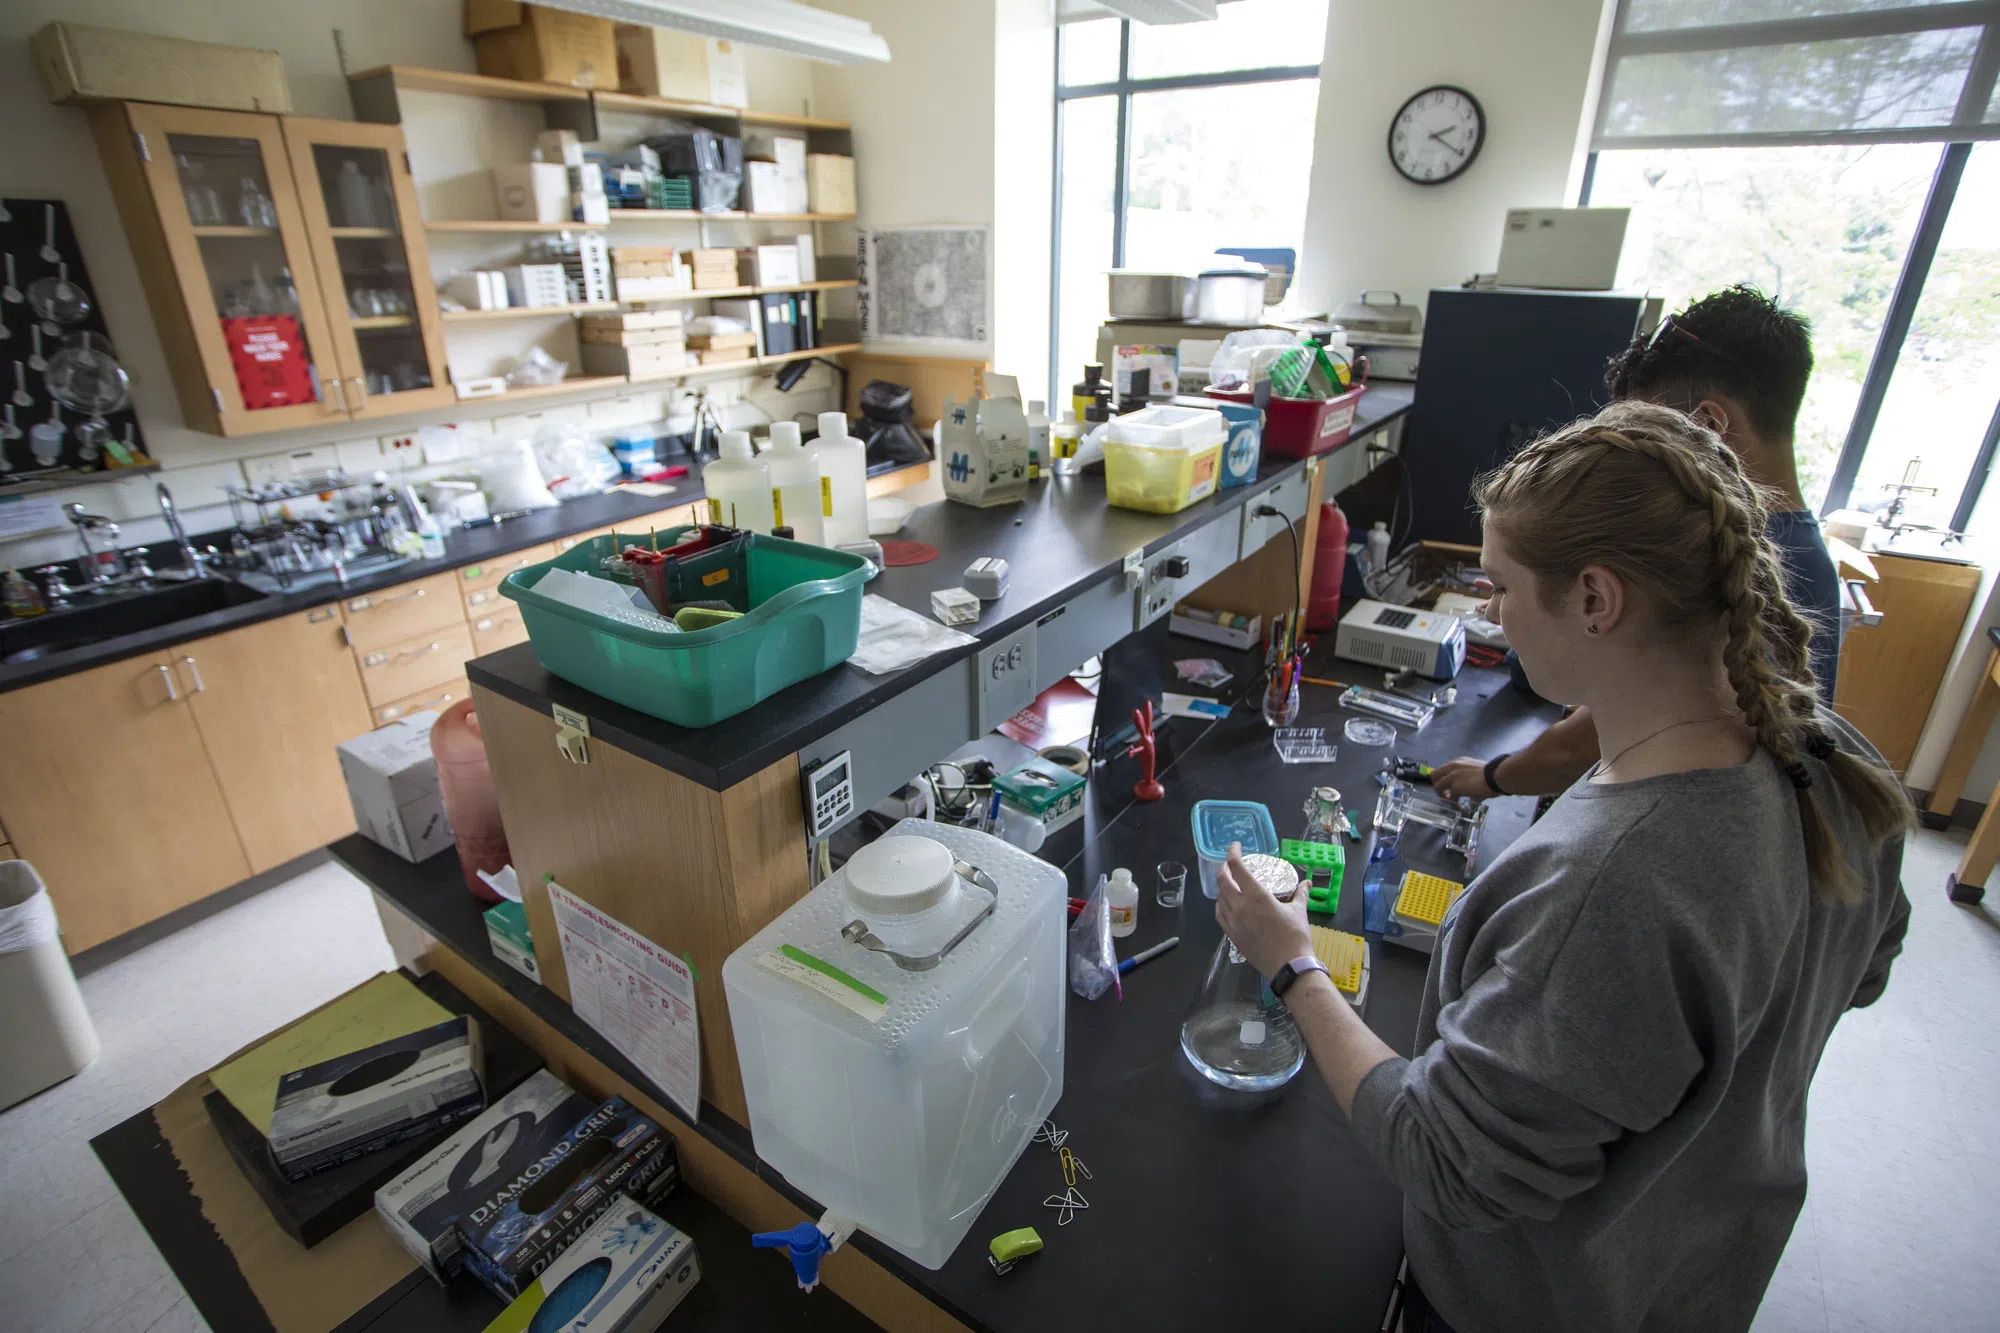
x=1463 y=776
x=1265 y=931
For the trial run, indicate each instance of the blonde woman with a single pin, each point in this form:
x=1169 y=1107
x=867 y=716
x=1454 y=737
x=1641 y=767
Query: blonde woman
x=1603 y=1128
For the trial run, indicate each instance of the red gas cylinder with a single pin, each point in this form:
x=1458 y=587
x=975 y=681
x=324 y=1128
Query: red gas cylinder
x=1329 y=568
x=470 y=802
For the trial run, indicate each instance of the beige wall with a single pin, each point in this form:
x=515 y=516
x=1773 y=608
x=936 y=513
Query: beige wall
x=1529 y=62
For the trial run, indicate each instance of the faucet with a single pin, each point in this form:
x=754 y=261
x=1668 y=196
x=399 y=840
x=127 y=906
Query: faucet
x=191 y=560
x=101 y=567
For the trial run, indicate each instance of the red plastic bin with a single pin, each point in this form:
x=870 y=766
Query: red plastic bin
x=1301 y=427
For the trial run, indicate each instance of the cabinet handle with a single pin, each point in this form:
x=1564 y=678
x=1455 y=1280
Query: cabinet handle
x=195 y=671
x=493 y=623
x=338 y=399
x=361 y=390
x=167 y=677
x=316 y=617
x=376 y=603
x=383 y=659
x=391 y=714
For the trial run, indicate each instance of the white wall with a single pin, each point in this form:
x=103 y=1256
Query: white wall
x=1529 y=62
x=46 y=152
x=1968 y=665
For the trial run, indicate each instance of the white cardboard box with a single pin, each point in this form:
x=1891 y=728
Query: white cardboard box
x=532 y=192
x=536 y=285
x=392 y=781
x=769 y=265
x=663 y=63
x=830 y=183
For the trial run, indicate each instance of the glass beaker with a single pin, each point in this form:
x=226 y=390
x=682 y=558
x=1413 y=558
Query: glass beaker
x=1172 y=883
x=1237 y=1033
x=1281 y=696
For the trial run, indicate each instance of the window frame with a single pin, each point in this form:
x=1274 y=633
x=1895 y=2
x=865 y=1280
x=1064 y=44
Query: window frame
x=1124 y=87
x=1955 y=150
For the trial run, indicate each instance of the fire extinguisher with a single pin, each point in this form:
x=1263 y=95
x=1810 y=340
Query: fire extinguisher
x=1329 y=568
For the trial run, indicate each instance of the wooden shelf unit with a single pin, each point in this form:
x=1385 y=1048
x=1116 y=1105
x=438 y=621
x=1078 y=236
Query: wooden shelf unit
x=234 y=231
x=588 y=383
x=364 y=233
x=501 y=228
x=526 y=311
x=382 y=321
x=469 y=85
x=602 y=307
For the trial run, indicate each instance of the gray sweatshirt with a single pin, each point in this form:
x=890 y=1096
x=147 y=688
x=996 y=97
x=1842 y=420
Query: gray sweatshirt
x=1604 y=1127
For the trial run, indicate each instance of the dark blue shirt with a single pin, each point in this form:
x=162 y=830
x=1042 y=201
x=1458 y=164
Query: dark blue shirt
x=1812 y=587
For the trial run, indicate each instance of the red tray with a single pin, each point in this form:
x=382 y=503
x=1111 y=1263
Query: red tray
x=1301 y=427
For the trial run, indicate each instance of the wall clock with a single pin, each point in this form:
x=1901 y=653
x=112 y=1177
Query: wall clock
x=1437 y=134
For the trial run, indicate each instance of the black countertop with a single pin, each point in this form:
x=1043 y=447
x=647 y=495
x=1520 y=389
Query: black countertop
x=1064 y=539
x=464 y=547
x=1209 y=1209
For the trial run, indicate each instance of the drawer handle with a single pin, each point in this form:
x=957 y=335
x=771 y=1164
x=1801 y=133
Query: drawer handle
x=195 y=671
x=494 y=622
x=478 y=598
x=375 y=604
x=395 y=711
x=173 y=693
x=316 y=617
x=383 y=659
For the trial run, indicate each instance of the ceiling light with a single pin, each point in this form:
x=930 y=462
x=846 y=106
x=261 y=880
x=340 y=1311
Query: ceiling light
x=782 y=25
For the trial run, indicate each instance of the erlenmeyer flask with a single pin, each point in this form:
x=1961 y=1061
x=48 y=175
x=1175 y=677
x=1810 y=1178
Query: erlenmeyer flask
x=1237 y=1033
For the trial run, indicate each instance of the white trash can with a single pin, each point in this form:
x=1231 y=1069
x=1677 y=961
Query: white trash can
x=47 y=1036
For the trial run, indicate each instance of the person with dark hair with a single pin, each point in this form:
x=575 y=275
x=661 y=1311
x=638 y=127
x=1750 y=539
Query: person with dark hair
x=1737 y=363
x=1602 y=1122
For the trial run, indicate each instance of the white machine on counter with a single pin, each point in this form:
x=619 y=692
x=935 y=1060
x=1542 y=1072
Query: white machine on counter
x=1389 y=333
x=1430 y=643
x=984 y=446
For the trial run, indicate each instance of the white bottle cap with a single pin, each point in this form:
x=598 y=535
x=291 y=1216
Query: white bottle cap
x=1379 y=526
x=784 y=434
x=736 y=444
x=833 y=425
x=899 y=875
x=1121 y=876
x=1037 y=405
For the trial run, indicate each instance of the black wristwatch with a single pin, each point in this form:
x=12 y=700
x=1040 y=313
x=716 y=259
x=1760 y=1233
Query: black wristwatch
x=1292 y=971
x=1491 y=774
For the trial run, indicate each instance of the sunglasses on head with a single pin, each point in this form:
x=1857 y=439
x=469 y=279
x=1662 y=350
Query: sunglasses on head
x=1668 y=326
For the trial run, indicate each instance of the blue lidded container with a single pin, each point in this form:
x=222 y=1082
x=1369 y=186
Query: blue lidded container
x=1219 y=823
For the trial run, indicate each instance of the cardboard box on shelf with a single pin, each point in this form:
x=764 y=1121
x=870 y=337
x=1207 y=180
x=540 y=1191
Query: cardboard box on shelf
x=764 y=189
x=82 y=64
x=671 y=318
x=657 y=62
x=531 y=192
x=392 y=781
x=631 y=337
x=536 y=285
x=536 y=44
x=652 y=289
x=626 y=268
x=638 y=362
x=716 y=356
x=769 y=265
x=643 y=254
x=829 y=183
x=722 y=341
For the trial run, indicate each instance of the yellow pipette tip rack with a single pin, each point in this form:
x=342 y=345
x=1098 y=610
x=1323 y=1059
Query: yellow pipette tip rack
x=1346 y=959
x=1426 y=898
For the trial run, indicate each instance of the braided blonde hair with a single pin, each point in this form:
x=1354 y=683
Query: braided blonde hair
x=1592 y=493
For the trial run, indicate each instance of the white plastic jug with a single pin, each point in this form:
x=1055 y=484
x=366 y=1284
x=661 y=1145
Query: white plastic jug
x=795 y=484
x=900 y=1030
x=738 y=485
x=842 y=461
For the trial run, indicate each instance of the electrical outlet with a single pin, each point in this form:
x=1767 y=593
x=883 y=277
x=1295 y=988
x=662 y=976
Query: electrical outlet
x=402 y=451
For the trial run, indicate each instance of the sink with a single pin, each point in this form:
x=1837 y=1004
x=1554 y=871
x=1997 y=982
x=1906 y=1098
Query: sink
x=95 y=618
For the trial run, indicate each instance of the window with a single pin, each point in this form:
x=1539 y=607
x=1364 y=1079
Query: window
x=1837 y=155
x=1171 y=141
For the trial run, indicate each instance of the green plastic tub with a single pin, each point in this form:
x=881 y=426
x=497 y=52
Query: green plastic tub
x=802 y=616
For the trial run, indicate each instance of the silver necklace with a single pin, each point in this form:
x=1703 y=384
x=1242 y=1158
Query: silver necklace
x=1601 y=765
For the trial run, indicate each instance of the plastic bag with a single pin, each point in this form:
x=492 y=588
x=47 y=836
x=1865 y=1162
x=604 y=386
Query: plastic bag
x=27 y=917
x=574 y=464
x=893 y=636
x=536 y=366
x=1093 y=964
x=1246 y=356
x=512 y=480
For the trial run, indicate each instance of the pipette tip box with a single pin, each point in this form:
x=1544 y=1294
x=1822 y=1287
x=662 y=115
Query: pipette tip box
x=1346 y=959
x=1420 y=910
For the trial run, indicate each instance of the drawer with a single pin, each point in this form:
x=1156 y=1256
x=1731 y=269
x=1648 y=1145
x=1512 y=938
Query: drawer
x=435 y=699
x=397 y=613
x=564 y=543
x=501 y=629
x=485 y=602
x=489 y=572
x=398 y=670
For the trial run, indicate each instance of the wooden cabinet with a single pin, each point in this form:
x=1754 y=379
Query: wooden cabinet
x=1890 y=673
x=248 y=231
x=385 y=617
x=489 y=573
x=272 y=701
x=108 y=790
x=434 y=700
x=502 y=629
x=400 y=669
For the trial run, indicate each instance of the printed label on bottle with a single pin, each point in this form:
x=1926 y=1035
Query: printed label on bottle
x=826 y=497
x=819 y=975
x=714 y=510
x=1123 y=916
x=778 y=507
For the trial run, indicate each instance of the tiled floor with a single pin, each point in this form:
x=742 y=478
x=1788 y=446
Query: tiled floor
x=1904 y=1141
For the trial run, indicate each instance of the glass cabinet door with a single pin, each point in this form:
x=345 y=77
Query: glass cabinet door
x=374 y=269
x=221 y=185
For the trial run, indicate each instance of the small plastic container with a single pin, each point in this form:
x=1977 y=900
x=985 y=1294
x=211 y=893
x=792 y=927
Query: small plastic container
x=1219 y=823
x=471 y=805
x=1162 y=459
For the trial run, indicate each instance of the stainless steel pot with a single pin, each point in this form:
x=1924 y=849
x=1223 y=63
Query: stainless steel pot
x=1136 y=295
x=1231 y=296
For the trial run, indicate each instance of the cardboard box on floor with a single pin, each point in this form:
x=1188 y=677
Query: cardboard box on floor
x=82 y=64
x=536 y=44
